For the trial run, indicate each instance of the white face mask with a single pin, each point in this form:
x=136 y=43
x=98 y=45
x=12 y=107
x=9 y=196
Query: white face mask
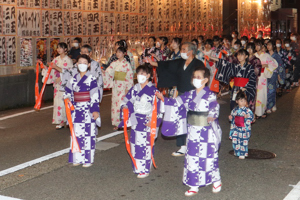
x=184 y=56
x=278 y=45
x=235 y=47
x=75 y=44
x=157 y=44
x=82 y=67
x=287 y=45
x=293 y=38
x=233 y=36
x=141 y=78
x=197 y=83
x=243 y=42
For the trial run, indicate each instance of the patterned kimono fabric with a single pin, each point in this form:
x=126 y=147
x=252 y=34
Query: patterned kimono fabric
x=210 y=65
x=244 y=77
x=240 y=130
x=139 y=101
x=132 y=62
x=255 y=62
x=201 y=166
x=59 y=112
x=262 y=89
x=84 y=125
x=290 y=69
x=163 y=54
x=118 y=85
x=147 y=54
x=273 y=81
x=68 y=74
x=286 y=65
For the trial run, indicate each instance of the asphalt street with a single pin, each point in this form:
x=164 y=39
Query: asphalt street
x=30 y=136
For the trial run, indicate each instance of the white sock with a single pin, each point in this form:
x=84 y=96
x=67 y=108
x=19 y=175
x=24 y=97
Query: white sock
x=196 y=189
x=182 y=149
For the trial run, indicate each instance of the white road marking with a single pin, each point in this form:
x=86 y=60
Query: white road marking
x=30 y=111
x=8 y=198
x=294 y=193
x=52 y=155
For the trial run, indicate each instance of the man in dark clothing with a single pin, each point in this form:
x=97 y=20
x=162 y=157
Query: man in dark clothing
x=75 y=50
x=179 y=73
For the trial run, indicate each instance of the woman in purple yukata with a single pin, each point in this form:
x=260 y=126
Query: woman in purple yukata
x=200 y=110
x=82 y=90
x=240 y=130
x=139 y=101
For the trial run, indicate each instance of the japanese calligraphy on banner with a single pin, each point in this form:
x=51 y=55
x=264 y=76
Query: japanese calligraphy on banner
x=28 y=22
x=9 y=20
x=56 y=23
x=2 y=50
x=10 y=45
x=91 y=23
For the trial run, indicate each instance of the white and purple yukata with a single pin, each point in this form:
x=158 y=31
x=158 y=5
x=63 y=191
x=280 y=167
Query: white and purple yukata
x=201 y=166
x=83 y=122
x=139 y=102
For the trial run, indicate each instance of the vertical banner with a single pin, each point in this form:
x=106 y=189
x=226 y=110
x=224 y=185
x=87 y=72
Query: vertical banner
x=56 y=23
x=45 y=23
x=2 y=50
x=11 y=56
x=9 y=20
x=41 y=50
x=28 y=22
x=26 y=56
x=53 y=47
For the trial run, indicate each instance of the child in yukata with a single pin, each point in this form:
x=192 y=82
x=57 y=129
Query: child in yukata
x=139 y=101
x=240 y=130
x=83 y=92
x=196 y=113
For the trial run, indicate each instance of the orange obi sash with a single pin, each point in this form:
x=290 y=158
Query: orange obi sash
x=240 y=82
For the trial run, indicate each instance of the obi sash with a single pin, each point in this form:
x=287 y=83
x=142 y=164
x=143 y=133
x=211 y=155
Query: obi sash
x=195 y=118
x=119 y=76
x=240 y=82
x=82 y=96
x=262 y=70
x=239 y=121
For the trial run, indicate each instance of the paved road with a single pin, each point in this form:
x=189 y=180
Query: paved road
x=31 y=136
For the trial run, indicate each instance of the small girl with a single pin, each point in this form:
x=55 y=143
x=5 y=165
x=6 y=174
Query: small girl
x=83 y=92
x=196 y=113
x=240 y=130
x=119 y=77
x=139 y=100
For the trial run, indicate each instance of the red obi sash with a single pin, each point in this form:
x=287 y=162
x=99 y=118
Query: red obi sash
x=239 y=121
x=262 y=70
x=82 y=96
x=240 y=82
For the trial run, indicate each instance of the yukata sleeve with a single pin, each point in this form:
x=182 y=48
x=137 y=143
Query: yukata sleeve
x=257 y=67
x=95 y=97
x=251 y=85
x=225 y=71
x=128 y=101
x=213 y=106
x=175 y=117
x=99 y=78
x=272 y=65
x=232 y=124
x=69 y=91
x=250 y=117
x=129 y=77
x=108 y=76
